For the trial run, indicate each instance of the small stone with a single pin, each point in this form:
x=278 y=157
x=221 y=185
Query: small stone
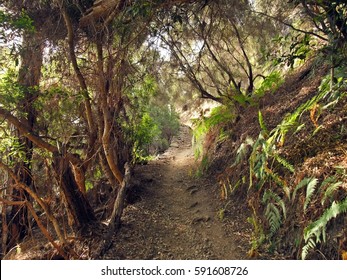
x=198 y=220
x=191 y=187
x=193 y=191
x=193 y=205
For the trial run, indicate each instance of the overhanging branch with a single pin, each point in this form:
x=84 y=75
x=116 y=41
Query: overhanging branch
x=291 y=26
x=37 y=140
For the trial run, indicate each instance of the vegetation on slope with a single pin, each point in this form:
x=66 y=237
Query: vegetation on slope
x=89 y=90
x=288 y=162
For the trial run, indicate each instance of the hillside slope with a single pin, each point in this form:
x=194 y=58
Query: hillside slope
x=286 y=159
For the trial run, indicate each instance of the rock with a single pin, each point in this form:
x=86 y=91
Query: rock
x=193 y=191
x=174 y=145
x=193 y=205
x=191 y=187
x=200 y=219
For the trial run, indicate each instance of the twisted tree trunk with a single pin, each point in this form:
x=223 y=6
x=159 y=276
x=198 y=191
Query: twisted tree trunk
x=28 y=80
x=78 y=206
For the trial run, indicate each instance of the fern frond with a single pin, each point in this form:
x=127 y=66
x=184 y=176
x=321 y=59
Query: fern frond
x=243 y=150
x=285 y=163
x=273 y=216
x=256 y=159
x=310 y=244
x=330 y=191
x=262 y=123
x=300 y=127
x=328 y=181
x=268 y=194
x=301 y=184
x=317 y=228
x=272 y=212
x=291 y=120
x=311 y=187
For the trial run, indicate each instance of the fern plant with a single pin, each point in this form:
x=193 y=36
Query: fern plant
x=315 y=232
x=274 y=206
x=311 y=184
x=264 y=153
x=270 y=84
x=333 y=186
x=219 y=116
x=264 y=158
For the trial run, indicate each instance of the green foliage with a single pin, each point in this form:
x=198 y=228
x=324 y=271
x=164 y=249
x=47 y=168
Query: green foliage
x=152 y=124
x=284 y=163
x=272 y=212
x=265 y=160
x=258 y=235
x=297 y=47
x=302 y=183
x=202 y=167
x=262 y=123
x=11 y=150
x=270 y=84
x=141 y=8
x=241 y=98
x=167 y=121
x=311 y=184
x=144 y=134
x=329 y=17
x=219 y=116
x=10 y=92
x=311 y=187
x=334 y=90
x=317 y=229
x=243 y=150
x=199 y=134
x=12 y=22
x=65 y=124
x=333 y=186
x=89 y=185
x=291 y=121
x=264 y=153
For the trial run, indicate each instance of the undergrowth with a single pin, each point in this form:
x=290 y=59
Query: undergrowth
x=272 y=194
x=219 y=118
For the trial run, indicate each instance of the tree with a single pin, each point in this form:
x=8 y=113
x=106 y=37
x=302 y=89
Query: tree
x=217 y=47
x=328 y=17
x=31 y=55
x=24 y=119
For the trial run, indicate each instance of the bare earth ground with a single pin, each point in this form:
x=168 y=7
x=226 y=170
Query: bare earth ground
x=175 y=215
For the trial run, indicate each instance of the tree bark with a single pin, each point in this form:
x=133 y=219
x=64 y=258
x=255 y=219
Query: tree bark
x=119 y=203
x=76 y=203
x=115 y=219
x=108 y=125
x=28 y=80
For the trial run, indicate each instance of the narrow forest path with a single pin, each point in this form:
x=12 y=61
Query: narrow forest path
x=175 y=215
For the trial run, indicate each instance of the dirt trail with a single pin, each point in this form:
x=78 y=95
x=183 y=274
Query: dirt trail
x=176 y=216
